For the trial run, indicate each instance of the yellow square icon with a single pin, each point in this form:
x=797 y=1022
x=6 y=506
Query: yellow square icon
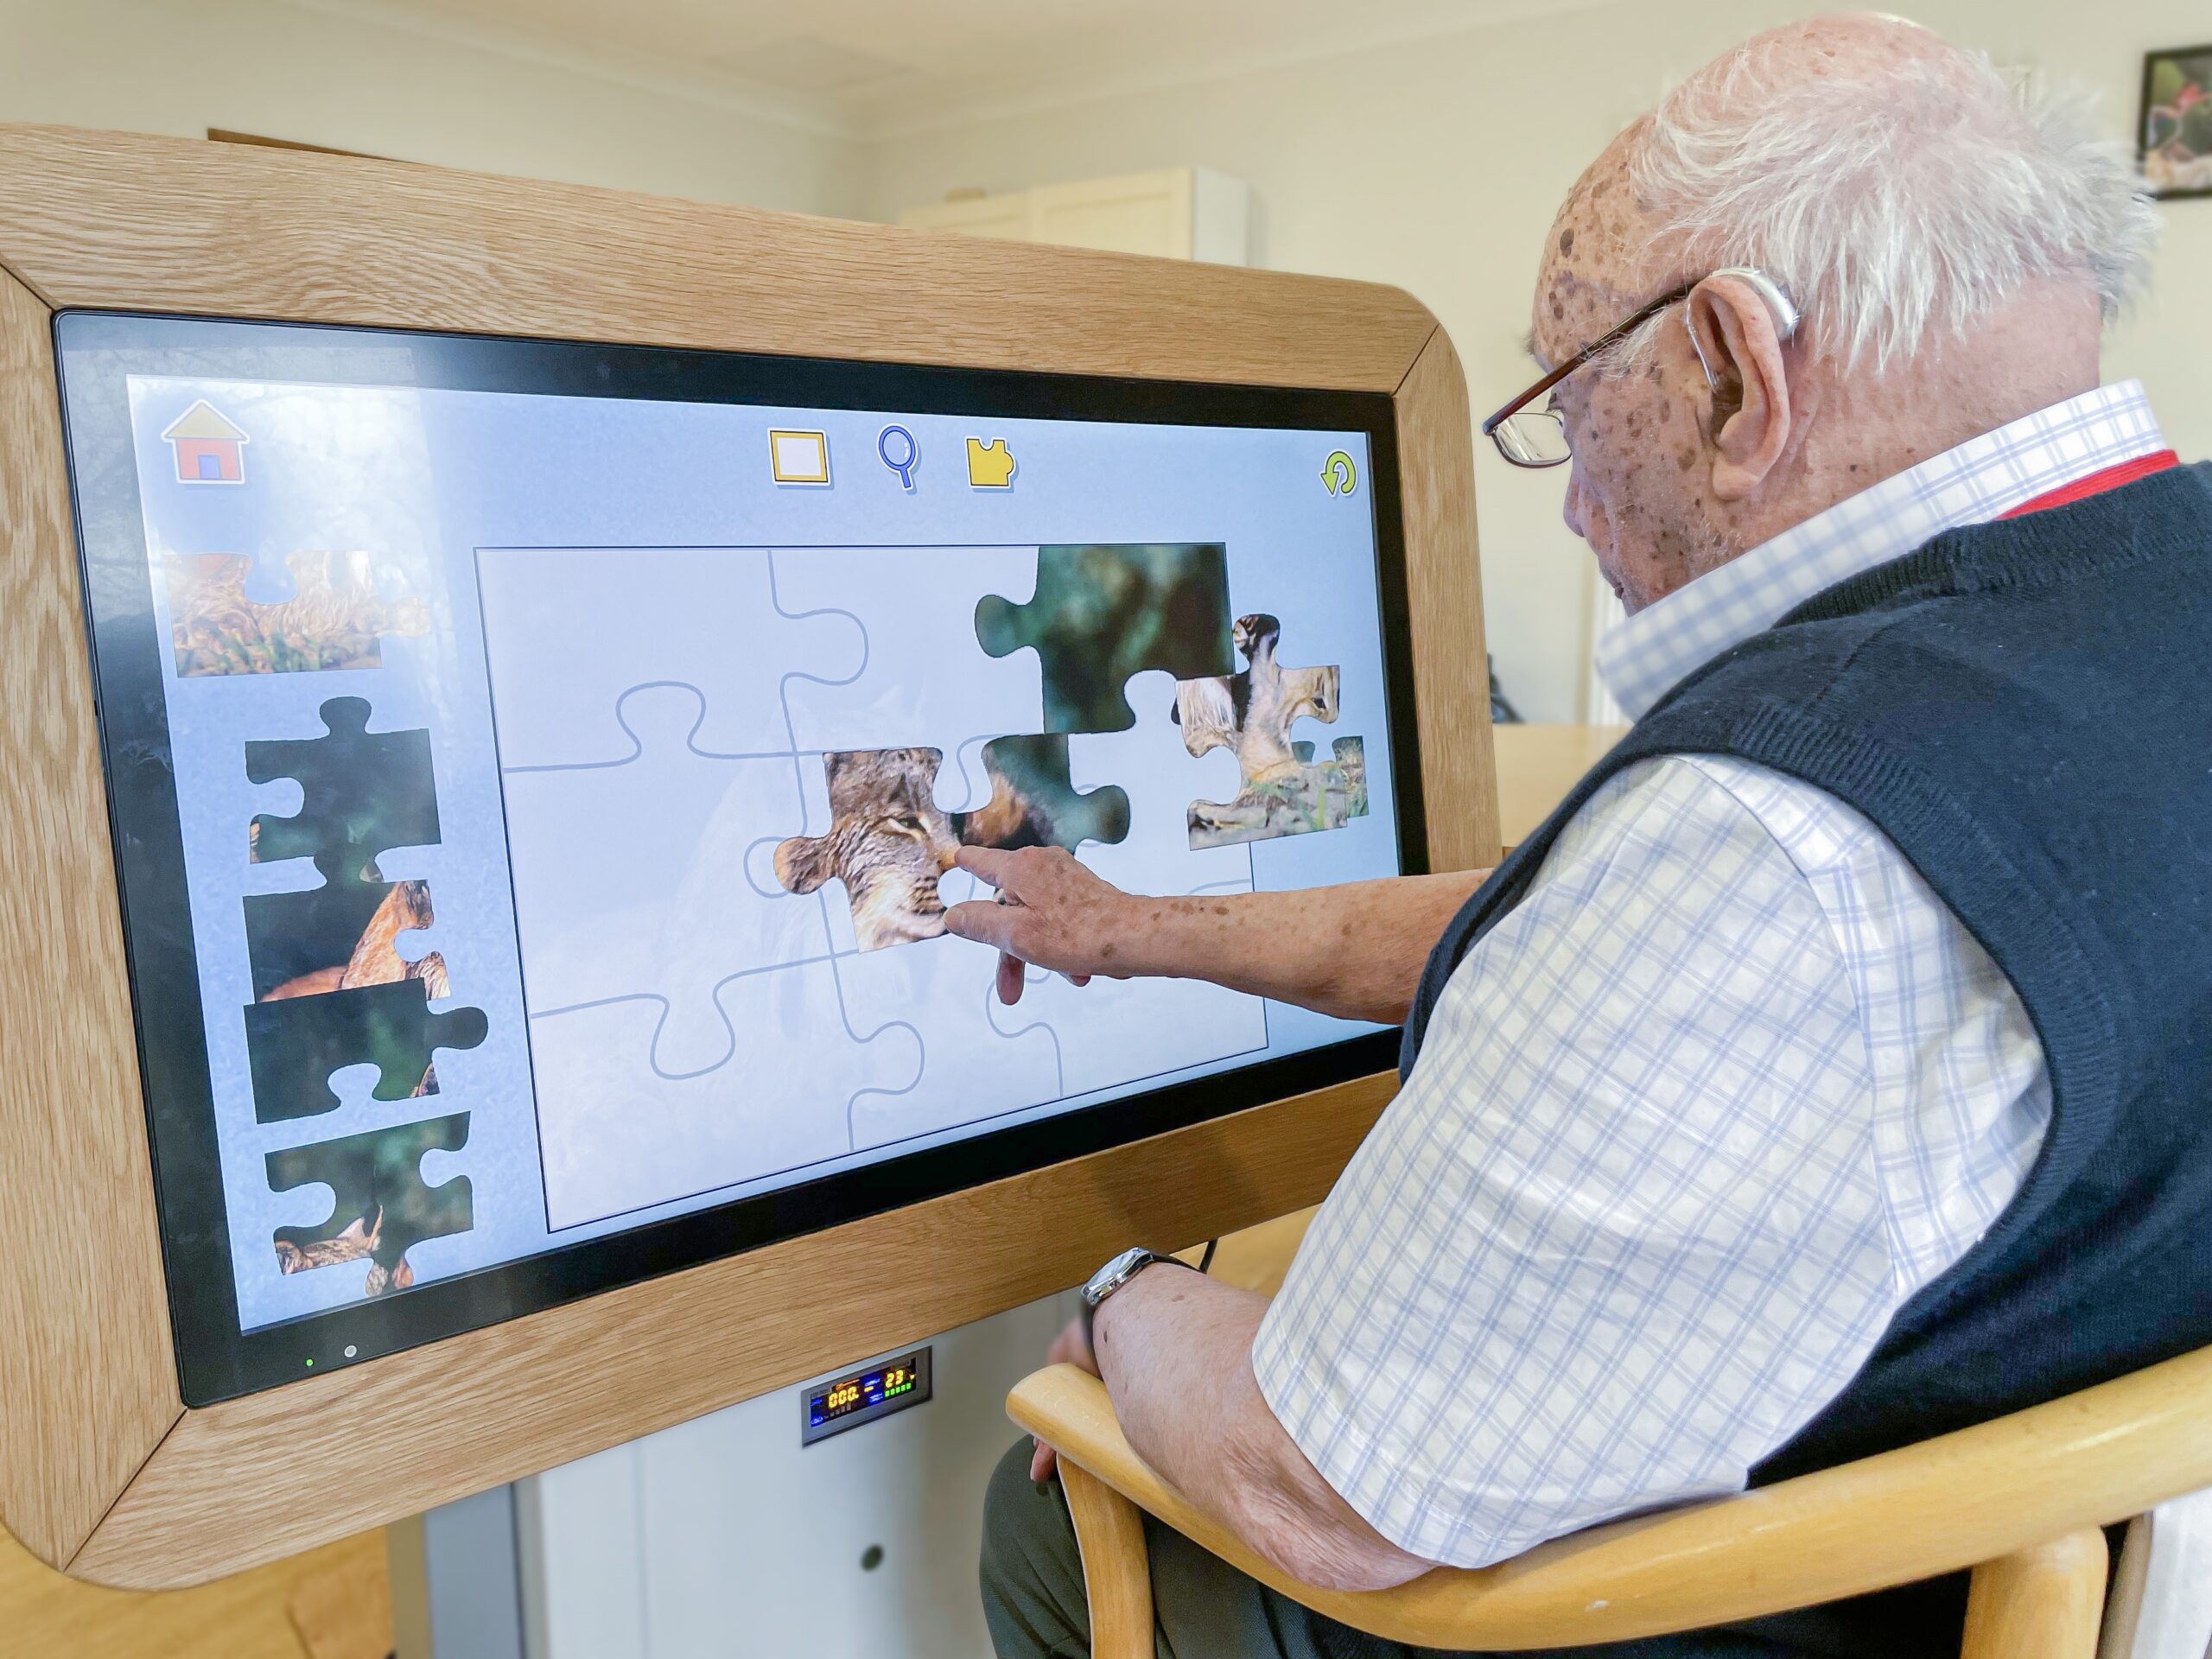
x=990 y=466
x=799 y=457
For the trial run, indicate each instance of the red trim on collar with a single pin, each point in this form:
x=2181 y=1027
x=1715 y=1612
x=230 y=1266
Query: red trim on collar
x=2096 y=483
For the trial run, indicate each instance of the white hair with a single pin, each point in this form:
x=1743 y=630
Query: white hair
x=1896 y=206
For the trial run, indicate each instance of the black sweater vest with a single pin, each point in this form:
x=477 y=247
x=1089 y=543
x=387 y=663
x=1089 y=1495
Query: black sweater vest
x=2026 y=709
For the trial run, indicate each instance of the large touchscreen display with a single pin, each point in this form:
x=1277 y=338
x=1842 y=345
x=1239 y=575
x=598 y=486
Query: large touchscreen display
x=564 y=765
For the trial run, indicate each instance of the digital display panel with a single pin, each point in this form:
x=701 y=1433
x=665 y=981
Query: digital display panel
x=536 y=771
x=864 y=1396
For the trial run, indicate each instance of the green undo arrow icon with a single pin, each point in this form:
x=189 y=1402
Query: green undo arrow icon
x=1337 y=472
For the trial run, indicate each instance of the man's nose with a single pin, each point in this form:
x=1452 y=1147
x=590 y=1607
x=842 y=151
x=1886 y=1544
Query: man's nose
x=1576 y=505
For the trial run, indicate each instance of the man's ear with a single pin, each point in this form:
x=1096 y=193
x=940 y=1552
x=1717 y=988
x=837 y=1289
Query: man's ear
x=1735 y=336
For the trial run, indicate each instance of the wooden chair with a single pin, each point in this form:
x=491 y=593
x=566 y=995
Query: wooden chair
x=2019 y=1500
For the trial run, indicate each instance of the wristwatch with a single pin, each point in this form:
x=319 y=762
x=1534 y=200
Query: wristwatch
x=1111 y=1277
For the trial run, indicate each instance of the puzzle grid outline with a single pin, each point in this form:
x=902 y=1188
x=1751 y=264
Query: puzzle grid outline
x=842 y=959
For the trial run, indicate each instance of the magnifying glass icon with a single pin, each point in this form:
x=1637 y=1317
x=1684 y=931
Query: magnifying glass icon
x=899 y=452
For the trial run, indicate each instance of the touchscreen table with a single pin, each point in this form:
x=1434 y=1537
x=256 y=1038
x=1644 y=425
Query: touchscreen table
x=538 y=769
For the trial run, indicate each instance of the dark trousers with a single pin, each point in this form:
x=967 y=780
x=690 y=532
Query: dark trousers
x=1203 y=1608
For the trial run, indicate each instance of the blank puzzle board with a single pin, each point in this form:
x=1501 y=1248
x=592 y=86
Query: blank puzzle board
x=663 y=717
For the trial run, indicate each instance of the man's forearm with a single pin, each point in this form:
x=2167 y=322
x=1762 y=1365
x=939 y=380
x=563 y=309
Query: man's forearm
x=1175 y=1349
x=1354 y=950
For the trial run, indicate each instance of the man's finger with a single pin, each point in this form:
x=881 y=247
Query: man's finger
x=985 y=863
x=1012 y=976
x=1042 y=1462
x=983 y=921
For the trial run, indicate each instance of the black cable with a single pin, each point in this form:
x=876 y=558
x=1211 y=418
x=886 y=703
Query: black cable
x=1206 y=1261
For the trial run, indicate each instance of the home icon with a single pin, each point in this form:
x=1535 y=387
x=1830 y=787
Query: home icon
x=206 y=446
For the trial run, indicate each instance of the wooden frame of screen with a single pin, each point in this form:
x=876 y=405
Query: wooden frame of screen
x=105 y=1473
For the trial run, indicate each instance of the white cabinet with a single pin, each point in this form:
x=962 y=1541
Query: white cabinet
x=725 y=1537
x=1178 y=212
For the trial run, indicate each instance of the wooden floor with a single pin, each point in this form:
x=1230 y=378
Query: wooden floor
x=331 y=1603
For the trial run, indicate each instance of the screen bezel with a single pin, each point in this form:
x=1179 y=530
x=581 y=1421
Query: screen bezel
x=215 y=1359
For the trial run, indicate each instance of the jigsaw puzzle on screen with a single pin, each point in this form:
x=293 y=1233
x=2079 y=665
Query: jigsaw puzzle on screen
x=732 y=827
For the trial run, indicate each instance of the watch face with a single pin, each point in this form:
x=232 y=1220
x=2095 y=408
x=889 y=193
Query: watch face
x=1110 y=1277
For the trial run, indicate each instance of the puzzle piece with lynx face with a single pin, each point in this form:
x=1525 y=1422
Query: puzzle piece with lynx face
x=1103 y=613
x=889 y=841
x=335 y=619
x=361 y=794
x=381 y=1205
x=293 y=1046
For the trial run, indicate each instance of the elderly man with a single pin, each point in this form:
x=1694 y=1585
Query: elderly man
x=1828 y=1071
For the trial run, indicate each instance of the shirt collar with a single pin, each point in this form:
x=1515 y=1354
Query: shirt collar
x=1643 y=655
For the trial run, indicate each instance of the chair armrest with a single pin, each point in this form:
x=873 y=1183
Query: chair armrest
x=1985 y=1492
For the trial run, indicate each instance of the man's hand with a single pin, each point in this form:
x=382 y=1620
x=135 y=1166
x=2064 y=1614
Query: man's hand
x=1069 y=1348
x=1355 y=951
x=1050 y=911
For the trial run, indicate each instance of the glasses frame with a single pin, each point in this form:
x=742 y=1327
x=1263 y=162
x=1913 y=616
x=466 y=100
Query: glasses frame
x=1786 y=319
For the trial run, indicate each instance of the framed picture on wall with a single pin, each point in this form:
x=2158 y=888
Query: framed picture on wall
x=2175 y=128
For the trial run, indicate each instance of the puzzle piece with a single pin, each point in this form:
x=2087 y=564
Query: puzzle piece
x=286 y=931
x=889 y=841
x=293 y=1047
x=361 y=794
x=568 y=631
x=1103 y=614
x=301 y=943
x=782 y=1107
x=631 y=881
x=942 y=991
x=924 y=684
x=1293 y=800
x=381 y=1207
x=334 y=619
x=1280 y=790
x=1251 y=713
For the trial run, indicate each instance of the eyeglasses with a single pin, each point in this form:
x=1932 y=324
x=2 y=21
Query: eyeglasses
x=1537 y=437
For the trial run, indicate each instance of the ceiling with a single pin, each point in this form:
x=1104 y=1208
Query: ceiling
x=871 y=67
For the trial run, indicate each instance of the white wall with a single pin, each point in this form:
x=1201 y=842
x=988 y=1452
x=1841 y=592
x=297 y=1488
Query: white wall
x=1433 y=164
x=1437 y=165
x=181 y=66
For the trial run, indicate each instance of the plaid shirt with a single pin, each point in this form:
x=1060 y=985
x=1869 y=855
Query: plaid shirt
x=1691 y=1122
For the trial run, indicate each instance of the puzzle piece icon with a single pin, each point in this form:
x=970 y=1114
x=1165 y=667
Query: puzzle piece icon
x=293 y=1046
x=334 y=619
x=381 y=1207
x=569 y=632
x=1102 y=613
x=889 y=841
x=990 y=466
x=1280 y=790
x=630 y=880
x=362 y=793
